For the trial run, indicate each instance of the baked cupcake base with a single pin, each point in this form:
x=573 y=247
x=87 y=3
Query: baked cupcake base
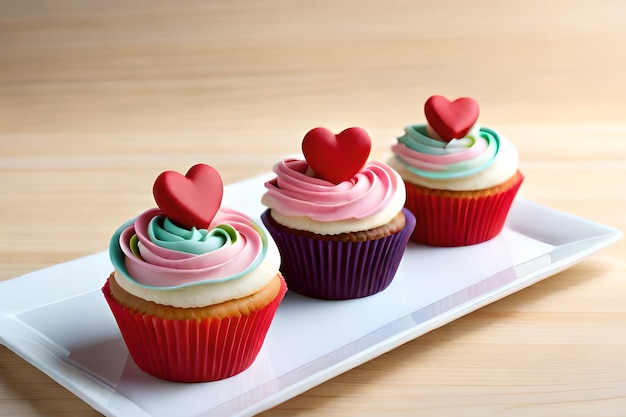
x=194 y=345
x=460 y=218
x=340 y=267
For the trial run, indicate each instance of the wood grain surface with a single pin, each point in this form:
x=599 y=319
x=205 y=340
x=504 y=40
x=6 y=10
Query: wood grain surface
x=98 y=97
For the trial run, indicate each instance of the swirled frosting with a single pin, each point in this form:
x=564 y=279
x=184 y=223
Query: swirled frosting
x=480 y=160
x=301 y=201
x=159 y=261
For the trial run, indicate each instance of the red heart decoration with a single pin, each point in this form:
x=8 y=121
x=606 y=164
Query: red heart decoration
x=336 y=158
x=451 y=119
x=189 y=200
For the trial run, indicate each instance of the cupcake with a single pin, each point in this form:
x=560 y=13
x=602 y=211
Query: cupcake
x=460 y=178
x=338 y=220
x=195 y=285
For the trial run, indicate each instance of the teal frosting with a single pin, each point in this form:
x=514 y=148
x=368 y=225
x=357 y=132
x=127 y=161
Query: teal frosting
x=416 y=138
x=226 y=232
x=166 y=234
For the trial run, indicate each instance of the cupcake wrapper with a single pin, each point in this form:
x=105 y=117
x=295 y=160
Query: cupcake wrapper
x=458 y=221
x=333 y=270
x=193 y=350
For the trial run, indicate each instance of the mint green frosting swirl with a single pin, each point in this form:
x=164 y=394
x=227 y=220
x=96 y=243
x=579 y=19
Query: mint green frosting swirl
x=433 y=158
x=166 y=234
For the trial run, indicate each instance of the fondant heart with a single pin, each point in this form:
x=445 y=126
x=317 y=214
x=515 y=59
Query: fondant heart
x=336 y=158
x=189 y=200
x=451 y=119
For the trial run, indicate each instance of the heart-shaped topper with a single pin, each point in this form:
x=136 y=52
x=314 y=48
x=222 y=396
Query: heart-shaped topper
x=451 y=119
x=336 y=158
x=189 y=200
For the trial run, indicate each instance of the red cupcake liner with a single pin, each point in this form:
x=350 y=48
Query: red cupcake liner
x=444 y=220
x=193 y=350
x=333 y=270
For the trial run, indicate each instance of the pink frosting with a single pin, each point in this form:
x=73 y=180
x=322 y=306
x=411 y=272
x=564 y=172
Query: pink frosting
x=438 y=161
x=293 y=193
x=166 y=268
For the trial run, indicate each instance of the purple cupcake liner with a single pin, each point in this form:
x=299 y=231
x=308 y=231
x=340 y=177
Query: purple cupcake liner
x=332 y=270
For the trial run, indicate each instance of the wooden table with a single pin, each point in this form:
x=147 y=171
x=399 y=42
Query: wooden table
x=98 y=97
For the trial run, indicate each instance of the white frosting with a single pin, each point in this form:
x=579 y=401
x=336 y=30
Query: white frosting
x=209 y=294
x=502 y=169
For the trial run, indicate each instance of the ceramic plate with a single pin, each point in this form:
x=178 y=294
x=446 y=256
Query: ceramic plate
x=57 y=319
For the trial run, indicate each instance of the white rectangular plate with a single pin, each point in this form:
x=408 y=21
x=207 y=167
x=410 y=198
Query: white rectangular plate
x=57 y=319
